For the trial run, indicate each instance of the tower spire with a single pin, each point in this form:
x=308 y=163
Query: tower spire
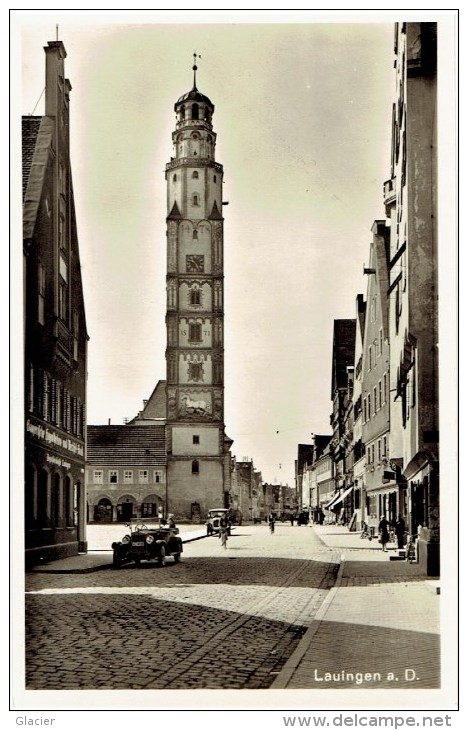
x=194 y=68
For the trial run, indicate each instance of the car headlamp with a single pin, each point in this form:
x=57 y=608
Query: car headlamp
x=126 y=539
x=149 y=539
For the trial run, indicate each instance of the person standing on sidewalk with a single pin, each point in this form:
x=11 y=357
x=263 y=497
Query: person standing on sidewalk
x=400 y=531
x=384 y=532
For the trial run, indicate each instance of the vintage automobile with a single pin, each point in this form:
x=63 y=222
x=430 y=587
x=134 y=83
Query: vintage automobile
x=214 y=518
x=147 y=541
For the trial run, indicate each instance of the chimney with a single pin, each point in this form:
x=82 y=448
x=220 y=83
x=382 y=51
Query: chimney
x=108 y=421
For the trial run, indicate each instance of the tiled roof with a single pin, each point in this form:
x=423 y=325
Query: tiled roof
x=30 y=129
x=127 y=445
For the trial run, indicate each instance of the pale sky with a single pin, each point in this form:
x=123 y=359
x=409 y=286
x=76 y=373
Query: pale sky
x=303 y=118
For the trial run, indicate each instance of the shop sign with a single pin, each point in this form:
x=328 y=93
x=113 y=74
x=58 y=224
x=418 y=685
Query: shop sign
x=51 y=459
x=50 y=436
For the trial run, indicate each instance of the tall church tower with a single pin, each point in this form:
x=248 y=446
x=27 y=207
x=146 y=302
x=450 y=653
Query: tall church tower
x=197 y=448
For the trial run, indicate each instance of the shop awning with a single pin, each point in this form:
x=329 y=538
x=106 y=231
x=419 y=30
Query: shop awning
x=339 y=498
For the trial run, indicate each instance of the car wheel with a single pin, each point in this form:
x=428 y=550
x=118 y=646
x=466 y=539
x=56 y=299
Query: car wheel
x=176 y=557
x=162 y=557
x=116 y=561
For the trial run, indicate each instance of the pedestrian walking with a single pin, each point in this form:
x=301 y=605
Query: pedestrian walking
x=271 y=522
x=384 y=532
x=291 y=517
x=400 y=528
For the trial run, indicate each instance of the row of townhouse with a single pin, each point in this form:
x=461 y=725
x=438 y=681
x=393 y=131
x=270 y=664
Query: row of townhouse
x=382 y=456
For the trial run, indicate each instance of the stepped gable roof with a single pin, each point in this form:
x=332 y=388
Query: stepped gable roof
x=344 y=335
x=127 y=445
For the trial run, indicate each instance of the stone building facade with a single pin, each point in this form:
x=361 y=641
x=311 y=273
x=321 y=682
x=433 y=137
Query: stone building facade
x=55 y=334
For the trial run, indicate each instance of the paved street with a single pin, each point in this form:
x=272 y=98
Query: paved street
x=219 y=619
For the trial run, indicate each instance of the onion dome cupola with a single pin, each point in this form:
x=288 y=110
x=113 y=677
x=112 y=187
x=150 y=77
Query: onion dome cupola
x=194 y=113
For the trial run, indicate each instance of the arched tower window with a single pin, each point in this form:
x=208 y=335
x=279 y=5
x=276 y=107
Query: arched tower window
x=195 y=111
x=195 y=296
x=195 y=174
x=195 y=234
x=182 y=112
x=195 y=200
x=174 y=178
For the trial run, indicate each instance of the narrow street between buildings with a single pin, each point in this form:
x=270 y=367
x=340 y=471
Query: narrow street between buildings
x=221 y=619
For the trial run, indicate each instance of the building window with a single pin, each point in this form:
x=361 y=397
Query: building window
x=128 y=476
x=385 y=388
x=195 y=174
x=365 y=409
x=195 y=467
x=368 y=406
x=143 y=476
x=214 y=178
x=45 y=396
x=113 y=478
x=373 y=453
x=157 y=477
x=76 y=330
x=195 y=332
x=380 y=394
x=195 y=296
x=174 y=178
x=379 y=450
x=195 y=235
x=380 y=341
x=370 y=357
x=195 y=200
x=148 y=509
x=31 y=389
x=40 y=293
x=196 y=439
x=195 y=111
x=368 y=455
x=97 y=477
x=375 y=399
x=384 y=447
x=63 y=300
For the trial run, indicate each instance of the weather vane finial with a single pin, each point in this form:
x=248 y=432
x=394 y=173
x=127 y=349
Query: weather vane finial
x=194 y=67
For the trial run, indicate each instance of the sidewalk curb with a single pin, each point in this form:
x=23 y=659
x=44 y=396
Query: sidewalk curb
x=90 y=568
x=283 y=678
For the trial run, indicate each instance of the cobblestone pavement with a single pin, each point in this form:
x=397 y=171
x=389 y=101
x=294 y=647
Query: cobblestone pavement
x=220 y=619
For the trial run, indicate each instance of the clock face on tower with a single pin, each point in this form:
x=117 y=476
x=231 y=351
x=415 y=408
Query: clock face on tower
x=195 y=263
